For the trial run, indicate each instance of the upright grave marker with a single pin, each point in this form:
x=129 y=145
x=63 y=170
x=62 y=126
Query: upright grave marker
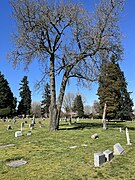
x=99 y=159
x=127 y=136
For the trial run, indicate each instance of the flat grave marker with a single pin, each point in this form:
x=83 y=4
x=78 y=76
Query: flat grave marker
x=16 y=163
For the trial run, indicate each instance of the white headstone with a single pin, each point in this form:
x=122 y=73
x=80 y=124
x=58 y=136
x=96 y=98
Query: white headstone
x=103 y=118
x=99 y=159
x=127 y=135
x=108 y=155
x=18 y=133
x=118 y=149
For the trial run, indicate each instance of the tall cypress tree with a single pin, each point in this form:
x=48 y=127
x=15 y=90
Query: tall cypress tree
x=7 y=100
x=78 y=106
x=45 y=103
x=113 y=91
x=25 y=94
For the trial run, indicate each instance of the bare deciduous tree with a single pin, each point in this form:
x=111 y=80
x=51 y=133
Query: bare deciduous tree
x=68 y=102
x=66 y=39
x=36 y=108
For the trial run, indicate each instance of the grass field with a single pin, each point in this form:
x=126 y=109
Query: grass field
x=49 y=157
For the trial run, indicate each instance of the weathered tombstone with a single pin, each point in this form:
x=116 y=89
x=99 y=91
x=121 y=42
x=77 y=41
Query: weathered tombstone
x=9 y=127
x=118 y=149
x=18 y=133
x=127 y=136
x=22 y=126
x=99 y=159
x=108 y=155
x=29 y=133
x=95 y=136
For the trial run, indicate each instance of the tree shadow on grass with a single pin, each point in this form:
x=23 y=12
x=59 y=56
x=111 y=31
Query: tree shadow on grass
x=89 y=125
x=116 y=125
x=131 y=128
x=80 y=126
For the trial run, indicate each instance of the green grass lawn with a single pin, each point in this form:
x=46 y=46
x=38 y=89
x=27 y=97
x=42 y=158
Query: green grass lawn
x=48 y=154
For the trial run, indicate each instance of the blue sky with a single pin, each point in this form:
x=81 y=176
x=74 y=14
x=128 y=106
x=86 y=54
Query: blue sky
x=14 y=76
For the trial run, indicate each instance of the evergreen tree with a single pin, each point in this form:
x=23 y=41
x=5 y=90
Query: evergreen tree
x=7 y=100
x=25 y=94
x=78 y=106
x=113 y=91
x=45 y=103
x=125 y=102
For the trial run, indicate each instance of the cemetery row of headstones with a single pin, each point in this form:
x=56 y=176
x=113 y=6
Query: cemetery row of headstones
x=106 y=156
x=19 y=133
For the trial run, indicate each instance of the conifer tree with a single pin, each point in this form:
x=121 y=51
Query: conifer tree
x=78 y=106
x=45 y=103
x=7 y=100
x=113 y=91
x=25 y=94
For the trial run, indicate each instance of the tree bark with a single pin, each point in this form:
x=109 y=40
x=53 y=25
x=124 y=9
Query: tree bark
x=53 y=106
x=61 y=95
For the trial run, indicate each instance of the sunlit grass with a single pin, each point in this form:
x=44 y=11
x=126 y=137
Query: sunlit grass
x=49 y=155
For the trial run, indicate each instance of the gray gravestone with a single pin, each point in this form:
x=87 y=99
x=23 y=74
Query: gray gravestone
x=108 y=155
x=118 y=149
x=99 y=159
x=18 y=133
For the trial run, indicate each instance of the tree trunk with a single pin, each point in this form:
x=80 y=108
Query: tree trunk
x=61 y=96
x=53 y=106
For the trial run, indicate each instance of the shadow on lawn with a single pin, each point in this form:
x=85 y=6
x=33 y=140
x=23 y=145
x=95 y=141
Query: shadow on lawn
x=89 y=125
x=80 y=125
x=131 y=128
